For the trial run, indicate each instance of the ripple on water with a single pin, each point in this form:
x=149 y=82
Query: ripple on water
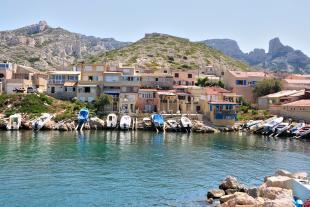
x=134 y=168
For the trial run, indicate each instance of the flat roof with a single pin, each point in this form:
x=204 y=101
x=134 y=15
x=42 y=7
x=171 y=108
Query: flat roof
x=64 y=72
x=249 y=74
x=281 y=93
x=303 y=102
x=147 y=89
x=297 y=81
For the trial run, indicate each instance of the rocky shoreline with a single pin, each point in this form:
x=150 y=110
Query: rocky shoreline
x=275 y=191
x=95 y=123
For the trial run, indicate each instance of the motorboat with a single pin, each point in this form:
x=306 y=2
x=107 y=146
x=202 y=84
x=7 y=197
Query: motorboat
x=258 y=128
x=293 y=131
x=157 y=121
x=39 y=123
x=82 y=118
x=304 y=132
x=125 y=122
x=186 y=123
x=251 y=123
x=14 y=122
x=112 y=121
x=280 y=128
x=172 y=125
x=147 y=123
x=270 y=125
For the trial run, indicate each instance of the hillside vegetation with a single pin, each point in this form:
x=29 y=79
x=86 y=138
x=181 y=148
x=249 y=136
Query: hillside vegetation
x=157 y=51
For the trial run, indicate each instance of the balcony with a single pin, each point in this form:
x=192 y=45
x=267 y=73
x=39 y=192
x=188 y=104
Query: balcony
x=228 y=115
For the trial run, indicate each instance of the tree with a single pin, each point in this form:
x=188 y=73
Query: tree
x=267 y=86
x=102 y=101
x=203 y=82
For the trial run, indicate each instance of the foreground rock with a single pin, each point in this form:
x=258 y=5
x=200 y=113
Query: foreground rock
x=274 y=192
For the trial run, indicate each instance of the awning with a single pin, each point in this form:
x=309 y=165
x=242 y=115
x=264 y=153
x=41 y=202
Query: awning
x=70 y=84
x=166 y=93
x=82 y=85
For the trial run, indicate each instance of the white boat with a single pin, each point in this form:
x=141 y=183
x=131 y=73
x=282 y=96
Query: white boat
x=186 y=123
x=270 y=125
x=125 y=122
x=280 y=128
x=260 y=126
x=251 y=123
x=172 y=124
x=14 y=122
x=147 y=123
x=38 y=123
x=293 y=131
x=111 y=121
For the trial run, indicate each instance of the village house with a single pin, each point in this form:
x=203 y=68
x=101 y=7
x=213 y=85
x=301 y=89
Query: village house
x=156 y=80
x=242 y=83
x=296 y=82
x=147 y=100
x=298 y=110
x=91 y=82
x=63 y=84
x=20 y=78
x=281 y=97
x=185 y=77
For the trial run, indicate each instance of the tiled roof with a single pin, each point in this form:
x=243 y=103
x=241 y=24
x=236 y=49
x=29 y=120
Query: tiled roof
x=281 y=94
x=249 y=74
x=215 y=90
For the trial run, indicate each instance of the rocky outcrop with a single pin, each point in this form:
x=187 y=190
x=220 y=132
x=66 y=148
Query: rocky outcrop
x=278 y=57
x=274 y=192
x=44 y=47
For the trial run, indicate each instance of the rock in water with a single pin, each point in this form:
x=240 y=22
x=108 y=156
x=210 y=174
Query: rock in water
x=215 y=193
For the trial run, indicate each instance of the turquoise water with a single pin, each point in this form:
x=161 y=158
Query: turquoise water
x=108 y=168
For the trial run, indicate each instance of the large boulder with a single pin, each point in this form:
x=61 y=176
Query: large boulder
x=96 y=123
x=274 y=193
x=239 y=199
x=225 y=198
x=49 y=125
x=231 y=182
x=278 y=181
x=215 y=193
x=298 y=175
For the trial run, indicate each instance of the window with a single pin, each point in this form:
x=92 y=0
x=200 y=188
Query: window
x=87 y=89
x=165 y=71
x=99 y=68
x=176 y=75
x=88 y=68
x=156 y=79
x=90 y=78
x=241 y=82
x=190 y=75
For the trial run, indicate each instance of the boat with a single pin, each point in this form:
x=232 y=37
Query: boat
x=293 y=131
x=172 y=125
x=279 y=129
x=157 y=121
x=147 y=123
x=14 y=122
x=82 y=118
x=186 y=123
x=304 y=132
x=251 y=123
x=112 y=121
x=258 y=128
x=125 y=122
x=39 y=123
x=270 y=125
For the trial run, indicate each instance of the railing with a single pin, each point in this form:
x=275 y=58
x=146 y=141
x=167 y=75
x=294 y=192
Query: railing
x=226 y=115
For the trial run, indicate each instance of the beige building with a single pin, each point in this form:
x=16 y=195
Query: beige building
x=156 y=80
x=298 y=110
x=184 y=77
x=63 y=84
x=242 y=83
x=279 y=98
x=295 y=84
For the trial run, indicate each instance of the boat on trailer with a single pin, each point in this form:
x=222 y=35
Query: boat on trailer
x=112 y=121
x=303 y=133
x=293 y=131
x=279 y=129
x=172 y=125
x=147 y=123
x=14 y=122
x=82 y=118
x=186 y=124
x=158 y=121
x=267 y=130
x=258 y=128
x=125 y=122
x=39 y=123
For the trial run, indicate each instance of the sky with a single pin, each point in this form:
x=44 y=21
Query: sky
x=252 y=23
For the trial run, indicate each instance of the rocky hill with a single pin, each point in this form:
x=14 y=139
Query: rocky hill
x=157 y=51
x=44 y=47
x=279 y=57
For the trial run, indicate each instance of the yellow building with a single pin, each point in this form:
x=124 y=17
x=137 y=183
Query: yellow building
x=298 y=110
